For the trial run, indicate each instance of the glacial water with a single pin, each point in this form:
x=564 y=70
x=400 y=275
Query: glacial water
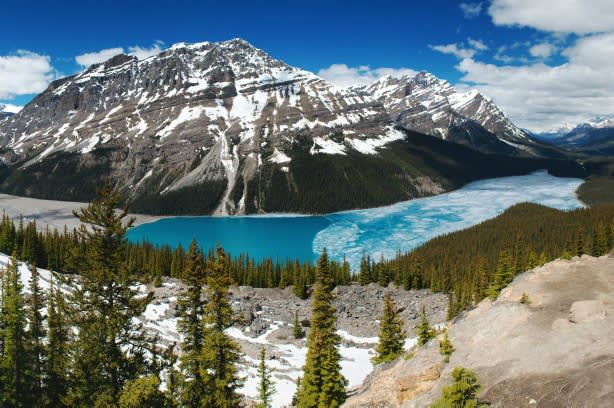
x=377 y=232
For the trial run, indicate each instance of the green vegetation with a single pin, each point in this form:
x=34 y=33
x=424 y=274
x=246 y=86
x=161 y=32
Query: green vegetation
x=524 y=299
x=479 y=261
x=322 y=384
x=266 y=388
x=597 y=190
x=297 y=328
x=391 y=333
x=446 y=348
x=323 y=183
x=462 y=393
x=424 y=331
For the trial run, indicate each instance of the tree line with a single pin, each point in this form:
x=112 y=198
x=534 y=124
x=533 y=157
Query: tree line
x=63 y=252
x=479 y=261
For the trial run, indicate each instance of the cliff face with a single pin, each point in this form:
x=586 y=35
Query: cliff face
x=555 y=352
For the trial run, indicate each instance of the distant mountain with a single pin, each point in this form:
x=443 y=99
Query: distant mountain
x=430 y=105
x=595 y=137
x=225 y=128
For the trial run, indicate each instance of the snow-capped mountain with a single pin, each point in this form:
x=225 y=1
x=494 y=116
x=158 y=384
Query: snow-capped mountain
x=229 y=129
x=430 y=105
x=595 y=136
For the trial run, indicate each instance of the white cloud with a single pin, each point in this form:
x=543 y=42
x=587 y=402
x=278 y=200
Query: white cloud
x=477 y=44
x=24 y=73
x=561 y=16
x=345 y=76
x=455 y=49
x=90 y=58
x=542 y=50
x=540 y=96
x=144 y=52
x=471 y=10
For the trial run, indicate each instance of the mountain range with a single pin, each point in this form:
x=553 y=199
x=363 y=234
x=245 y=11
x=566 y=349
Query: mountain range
x=224 y=128
x=594 y=137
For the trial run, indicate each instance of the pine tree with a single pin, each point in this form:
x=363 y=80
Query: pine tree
x=297 y=328
x=190 y=325
x=266 y=388
x=600 y=240
x=36 y=336
x=446 y=348
x=424 y=331
x=58 y=337
x=322 y=384
x=14 y=359
x=462 y=393
x=364 y=277
x=580 y=241
x=391 y=333
x=143 y=392
x=109 y=349
x=221 y=353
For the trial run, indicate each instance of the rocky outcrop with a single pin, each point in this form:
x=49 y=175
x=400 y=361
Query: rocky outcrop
x=554 y=352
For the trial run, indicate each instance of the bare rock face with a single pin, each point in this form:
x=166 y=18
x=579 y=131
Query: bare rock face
x=587 y=311
x=555 y=352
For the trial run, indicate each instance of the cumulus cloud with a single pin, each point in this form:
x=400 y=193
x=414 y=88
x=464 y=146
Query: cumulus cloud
x=345 y=76
x=539 y=96
x=96 y=57
x=91 y=58
x=542 y=50
x=471 y=10
x=144 y=52
x=561 y=16
x=24 y=73
x=455 y=49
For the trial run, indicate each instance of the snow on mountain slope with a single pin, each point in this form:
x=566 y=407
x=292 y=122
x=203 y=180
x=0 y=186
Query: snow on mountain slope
x=195 y=112
x=430 y=105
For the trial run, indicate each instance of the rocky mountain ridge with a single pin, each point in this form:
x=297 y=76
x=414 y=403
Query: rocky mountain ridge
x=228 y=122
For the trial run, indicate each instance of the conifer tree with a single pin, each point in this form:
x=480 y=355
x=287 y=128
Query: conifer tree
x=58 y=337
x=322 y=384
x=600 y=240
x=221 y=353
x=446 y=348
x=266 y=388
x=391 y=333
x=364 y=277
x=580 y=250
x=190 y=325
x=297 y=328
x=36 y=336
x=424 y=331
x=144 y=392
x=14 y=359
x=109 y=348
x=462 y=393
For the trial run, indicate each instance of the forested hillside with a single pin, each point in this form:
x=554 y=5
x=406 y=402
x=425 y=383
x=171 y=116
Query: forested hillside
x=481 y=260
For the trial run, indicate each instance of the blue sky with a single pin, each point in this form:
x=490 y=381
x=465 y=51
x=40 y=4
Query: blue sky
x=490 y=45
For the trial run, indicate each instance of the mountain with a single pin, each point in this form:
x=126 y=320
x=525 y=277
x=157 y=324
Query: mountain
x=224 y=128
x=430 y=105
x=595 y=137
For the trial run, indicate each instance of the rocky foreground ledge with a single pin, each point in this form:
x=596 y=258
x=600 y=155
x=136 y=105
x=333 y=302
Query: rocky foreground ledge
x=557 y=351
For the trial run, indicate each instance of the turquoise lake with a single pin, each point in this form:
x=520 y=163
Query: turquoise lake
x=380 y=231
